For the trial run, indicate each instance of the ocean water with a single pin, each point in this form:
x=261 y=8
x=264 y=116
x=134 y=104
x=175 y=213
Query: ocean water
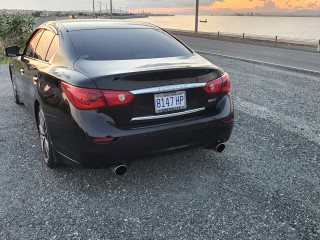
x=289 y=27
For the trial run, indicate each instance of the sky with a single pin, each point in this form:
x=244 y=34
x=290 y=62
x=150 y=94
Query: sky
x=169 y=6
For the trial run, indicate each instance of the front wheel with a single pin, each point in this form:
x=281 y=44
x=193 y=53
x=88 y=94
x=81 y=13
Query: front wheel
x=15 y=93
x=45 y=141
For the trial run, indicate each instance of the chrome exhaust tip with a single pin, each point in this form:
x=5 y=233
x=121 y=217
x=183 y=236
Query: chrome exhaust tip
x=120 y=170
x=217 y=148
x=220 y=147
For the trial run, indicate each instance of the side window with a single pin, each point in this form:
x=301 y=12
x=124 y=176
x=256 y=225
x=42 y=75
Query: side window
x=53 y=48
x=31 y=47
x=43 y=45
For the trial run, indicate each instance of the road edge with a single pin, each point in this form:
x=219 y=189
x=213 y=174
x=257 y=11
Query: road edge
x=290 y=68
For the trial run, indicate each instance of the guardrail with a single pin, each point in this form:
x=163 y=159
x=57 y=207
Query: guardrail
x=312 y=44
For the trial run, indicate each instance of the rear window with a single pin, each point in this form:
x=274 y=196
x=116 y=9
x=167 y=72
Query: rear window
x=124 y=44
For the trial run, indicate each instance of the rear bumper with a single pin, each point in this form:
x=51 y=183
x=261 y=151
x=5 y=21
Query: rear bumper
x=78 y=147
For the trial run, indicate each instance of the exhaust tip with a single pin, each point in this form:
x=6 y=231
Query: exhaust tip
x=220 y=147
x=120 y=170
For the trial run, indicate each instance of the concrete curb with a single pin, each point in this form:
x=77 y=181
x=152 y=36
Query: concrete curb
x=290 y=68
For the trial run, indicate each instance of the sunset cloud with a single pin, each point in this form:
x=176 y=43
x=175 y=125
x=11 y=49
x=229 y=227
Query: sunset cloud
x=313 y=4
x=168 y=6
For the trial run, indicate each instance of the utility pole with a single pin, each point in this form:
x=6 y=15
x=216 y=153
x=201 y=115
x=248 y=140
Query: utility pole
x=120 y=10
x=197 y=16
x=111 y=9
x=100 y=8
x=106 y=8
x=94 y=12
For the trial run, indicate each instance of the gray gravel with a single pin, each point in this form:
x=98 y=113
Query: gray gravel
x=264 y=186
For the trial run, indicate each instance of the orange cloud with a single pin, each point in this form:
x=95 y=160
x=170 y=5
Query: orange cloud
x=253 y=4
x=238 y=5
x=169 y=10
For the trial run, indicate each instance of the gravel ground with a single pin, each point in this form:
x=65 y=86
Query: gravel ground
x=265 y=185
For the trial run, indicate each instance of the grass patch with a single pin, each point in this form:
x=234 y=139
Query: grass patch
x=4 y=60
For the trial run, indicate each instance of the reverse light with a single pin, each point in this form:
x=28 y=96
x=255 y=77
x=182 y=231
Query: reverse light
x=84 y=98
x=213 y=86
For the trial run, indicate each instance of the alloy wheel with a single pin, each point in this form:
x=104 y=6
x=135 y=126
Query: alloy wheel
x=44 y=138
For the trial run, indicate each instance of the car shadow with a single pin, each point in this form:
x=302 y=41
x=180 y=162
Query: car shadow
x=150 y=173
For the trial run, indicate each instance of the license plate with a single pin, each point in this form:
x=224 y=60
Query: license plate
x=167 y=102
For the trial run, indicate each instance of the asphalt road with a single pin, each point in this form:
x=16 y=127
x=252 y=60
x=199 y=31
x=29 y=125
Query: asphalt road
x=275 y=55
x=265 y=185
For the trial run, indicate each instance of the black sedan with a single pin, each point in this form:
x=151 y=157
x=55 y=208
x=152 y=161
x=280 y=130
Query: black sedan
x=105 y=93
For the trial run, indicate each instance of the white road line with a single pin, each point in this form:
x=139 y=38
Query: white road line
x=278 y=54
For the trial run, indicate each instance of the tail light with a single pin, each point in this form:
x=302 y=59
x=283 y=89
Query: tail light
x=84 y=98
x=222 y=84
x=117 y=97
x=226 y=83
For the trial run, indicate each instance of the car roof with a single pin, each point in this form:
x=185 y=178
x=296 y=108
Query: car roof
x=90 y=24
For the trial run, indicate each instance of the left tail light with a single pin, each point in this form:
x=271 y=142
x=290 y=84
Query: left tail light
x=85 y=98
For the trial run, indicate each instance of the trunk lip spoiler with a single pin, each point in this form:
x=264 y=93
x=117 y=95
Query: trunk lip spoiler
x=168 y=88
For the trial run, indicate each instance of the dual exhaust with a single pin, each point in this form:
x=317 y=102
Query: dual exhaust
x=122 y=169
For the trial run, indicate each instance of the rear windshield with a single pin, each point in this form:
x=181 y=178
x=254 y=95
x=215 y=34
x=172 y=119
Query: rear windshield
x=124 y=44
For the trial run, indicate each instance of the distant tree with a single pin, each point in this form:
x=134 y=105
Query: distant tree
x=36 y=13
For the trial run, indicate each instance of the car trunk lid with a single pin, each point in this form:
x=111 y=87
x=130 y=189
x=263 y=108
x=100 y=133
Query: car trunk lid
x=164 y=90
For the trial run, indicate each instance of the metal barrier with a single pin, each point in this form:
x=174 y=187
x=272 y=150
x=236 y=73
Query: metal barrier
x=252 y=38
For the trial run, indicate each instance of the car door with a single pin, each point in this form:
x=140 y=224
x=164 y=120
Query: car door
x=34 y=65
x=18 y=65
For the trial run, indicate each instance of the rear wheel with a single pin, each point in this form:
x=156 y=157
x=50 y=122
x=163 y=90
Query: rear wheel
x=45 y=141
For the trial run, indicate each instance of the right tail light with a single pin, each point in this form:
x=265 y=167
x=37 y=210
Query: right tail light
x=226 y=83
x=221 y=84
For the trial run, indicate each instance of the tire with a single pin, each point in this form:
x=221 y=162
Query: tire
x=45 y=141
x=15 y=93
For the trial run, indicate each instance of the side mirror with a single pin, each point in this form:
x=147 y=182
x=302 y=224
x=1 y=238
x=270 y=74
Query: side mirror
x=12 y=51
